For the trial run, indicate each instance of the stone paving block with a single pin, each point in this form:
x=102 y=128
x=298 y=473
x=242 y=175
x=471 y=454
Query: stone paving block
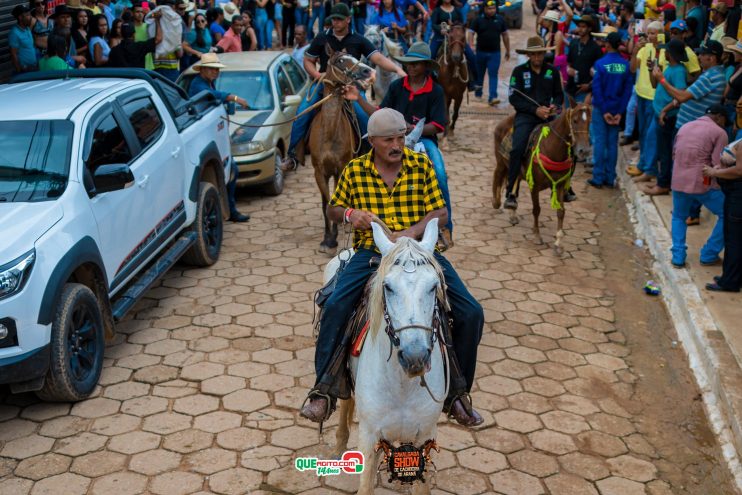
x=217 y=421
x=500 y=440
x=64 y=426
x=246 y=401
x=620 y=486
x=42 y=466
x=500 y=385
x=73 y=485
x=209 y=461
x=155 y=461
x=519 y=421
x=195 y=405
x=601 y=443
x=461 y=481
x=44 y=411
x=632 y=468
x=542 y=386
x=552 y=442
x=80 y=444
x=586 y=466
x=271 y=382
x=235 y=481
x=98 y=464
x=176 y=483
x=533 y=463
x=241 y=439
x=95 y=408
x=144 y=406
x=166 y=423
x=482 y=460
x=564 y=422
x=29 y=446
x=188 y=441
x=156 y=374
x=529 y=402
x=266 y=458
x=294 y=437
x=134 y=442
x=512 y=482
x=119 y=483
x=16 y=428
x=201 y=371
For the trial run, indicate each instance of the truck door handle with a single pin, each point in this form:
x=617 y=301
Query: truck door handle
x=143 y=182
x=175 y=152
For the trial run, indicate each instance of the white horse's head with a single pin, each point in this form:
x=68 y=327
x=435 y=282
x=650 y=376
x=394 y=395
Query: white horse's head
x=373 y=34
x=404 y=296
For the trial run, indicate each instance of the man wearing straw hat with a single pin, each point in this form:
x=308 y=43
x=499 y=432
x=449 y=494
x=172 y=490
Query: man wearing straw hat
x=536 y=94
x=418 y=97
x=208 y=71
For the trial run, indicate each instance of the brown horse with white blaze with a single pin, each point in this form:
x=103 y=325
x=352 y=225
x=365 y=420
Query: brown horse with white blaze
x=551 y=154
x=334 y=135
x=453 y=75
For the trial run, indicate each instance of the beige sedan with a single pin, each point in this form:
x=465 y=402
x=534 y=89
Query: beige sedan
x=273 y=85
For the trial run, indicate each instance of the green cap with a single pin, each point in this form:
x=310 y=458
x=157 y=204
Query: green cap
x=339 y=11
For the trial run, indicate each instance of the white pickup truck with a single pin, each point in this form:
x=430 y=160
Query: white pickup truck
x=107 y=178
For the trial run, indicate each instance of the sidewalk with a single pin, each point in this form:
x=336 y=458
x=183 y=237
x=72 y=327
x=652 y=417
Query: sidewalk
x=708 y=324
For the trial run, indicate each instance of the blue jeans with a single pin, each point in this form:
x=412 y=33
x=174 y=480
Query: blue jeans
x=647 y=137
x=232 y=188
x=682 y=203
x=264 y=29
x=301 y=125
x=171 y=74
x=467 y=313
x=440 y=173
x=318 y=14
x=605 y=150
x=489 y=62
x=301 y=16
x=631 y=115
x=665 y=140
x=428 y=30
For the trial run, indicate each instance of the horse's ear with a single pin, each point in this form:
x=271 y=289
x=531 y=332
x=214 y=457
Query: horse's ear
x=430 y=237
x=328 y=50
x=572 y=102
x=381 y=240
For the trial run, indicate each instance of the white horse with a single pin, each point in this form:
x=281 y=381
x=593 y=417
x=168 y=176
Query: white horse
x=391 y=401
x=389 y=49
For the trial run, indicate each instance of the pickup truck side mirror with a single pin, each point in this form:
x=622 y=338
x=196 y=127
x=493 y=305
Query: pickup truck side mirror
x=292 y=100
x=112 y=177
x=231 y=107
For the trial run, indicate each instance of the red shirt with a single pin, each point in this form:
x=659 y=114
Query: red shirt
x=230 y=42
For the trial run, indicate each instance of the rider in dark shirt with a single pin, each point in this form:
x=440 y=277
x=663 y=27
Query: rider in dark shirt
x=536 y=94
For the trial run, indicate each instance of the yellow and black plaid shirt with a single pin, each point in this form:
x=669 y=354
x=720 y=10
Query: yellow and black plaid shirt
x=415 y=193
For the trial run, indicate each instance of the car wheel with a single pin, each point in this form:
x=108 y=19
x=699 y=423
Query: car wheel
x=77 y=346
x=276 y=186
x=208 y=226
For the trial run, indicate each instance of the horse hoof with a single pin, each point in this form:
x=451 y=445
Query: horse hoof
x=513 y=220
x=496 y=203
x=558 y=250
x=538 y=240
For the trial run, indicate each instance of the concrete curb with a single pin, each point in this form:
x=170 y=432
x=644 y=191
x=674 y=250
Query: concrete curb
x=717 y=371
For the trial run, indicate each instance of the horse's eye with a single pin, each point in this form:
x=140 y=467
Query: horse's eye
x=433 y=289
x=388 y=288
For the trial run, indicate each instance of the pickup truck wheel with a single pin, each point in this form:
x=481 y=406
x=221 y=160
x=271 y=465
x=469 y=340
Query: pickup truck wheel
x=77 y=346
x=276 y=187
x=208 y=227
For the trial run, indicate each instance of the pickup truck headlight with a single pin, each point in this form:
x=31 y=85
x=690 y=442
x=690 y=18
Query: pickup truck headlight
x=14 y=274
x=247 y=148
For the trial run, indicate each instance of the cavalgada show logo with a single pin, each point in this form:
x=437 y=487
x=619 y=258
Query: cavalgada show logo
x=351 y=462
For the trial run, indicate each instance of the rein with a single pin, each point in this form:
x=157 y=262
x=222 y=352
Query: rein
x=457 y=69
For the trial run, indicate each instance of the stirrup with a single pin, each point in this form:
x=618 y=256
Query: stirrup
x=331 y=404
x=466 y=402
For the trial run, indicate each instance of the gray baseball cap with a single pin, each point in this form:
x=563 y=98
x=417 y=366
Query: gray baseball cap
x=386 y=122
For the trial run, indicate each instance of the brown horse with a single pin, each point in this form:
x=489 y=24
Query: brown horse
x=553 y=153
x=453 y=75
x=334 y=135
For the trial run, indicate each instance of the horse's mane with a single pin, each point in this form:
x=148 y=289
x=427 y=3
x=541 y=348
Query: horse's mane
x=404 y=250
x=393 y=48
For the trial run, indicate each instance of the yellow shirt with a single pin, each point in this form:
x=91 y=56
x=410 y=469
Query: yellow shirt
x=691 y=65
x=648 y=12
x=643 y=84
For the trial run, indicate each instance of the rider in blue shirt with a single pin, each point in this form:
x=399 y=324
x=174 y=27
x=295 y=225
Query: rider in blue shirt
x=208 y=71
x=393 y=20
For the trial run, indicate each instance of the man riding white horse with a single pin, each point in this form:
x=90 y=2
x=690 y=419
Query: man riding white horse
x=418 y=97
x=339 y=38
x=398 y=186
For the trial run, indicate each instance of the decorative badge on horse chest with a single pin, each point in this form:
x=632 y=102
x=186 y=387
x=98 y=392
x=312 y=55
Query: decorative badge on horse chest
x=406 y=463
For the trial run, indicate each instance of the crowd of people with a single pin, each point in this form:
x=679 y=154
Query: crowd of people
x=671 y=82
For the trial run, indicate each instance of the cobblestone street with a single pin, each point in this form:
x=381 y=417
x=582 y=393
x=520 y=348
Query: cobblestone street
x=201 y=387
x=582 y=391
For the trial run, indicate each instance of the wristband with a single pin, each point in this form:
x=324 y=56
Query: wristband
x=662 y=80
x=346 y=216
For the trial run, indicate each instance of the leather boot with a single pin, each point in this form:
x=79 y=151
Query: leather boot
x=464 y=414
x=315 y=410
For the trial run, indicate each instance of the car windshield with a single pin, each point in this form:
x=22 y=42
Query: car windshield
x=253 y=86
x=34 y=159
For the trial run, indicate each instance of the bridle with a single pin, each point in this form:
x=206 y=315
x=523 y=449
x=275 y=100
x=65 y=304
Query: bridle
x=571 y=137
